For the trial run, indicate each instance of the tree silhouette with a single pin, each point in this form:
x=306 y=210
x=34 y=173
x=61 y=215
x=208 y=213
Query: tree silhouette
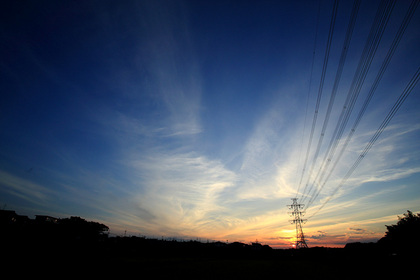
x=402 y=238
x=76 y=227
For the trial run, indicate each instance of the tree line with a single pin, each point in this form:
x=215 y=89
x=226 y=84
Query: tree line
x=46 y=233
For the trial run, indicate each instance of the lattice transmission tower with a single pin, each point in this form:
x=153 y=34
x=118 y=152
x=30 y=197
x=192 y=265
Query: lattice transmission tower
x=297 y=220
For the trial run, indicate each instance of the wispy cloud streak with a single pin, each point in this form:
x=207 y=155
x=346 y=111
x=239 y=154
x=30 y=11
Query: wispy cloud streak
x=24 y=188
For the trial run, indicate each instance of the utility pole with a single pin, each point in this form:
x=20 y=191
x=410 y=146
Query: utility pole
x=297 y=219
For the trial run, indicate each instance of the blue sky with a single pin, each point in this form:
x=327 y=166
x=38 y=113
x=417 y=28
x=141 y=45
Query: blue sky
x=192 y=118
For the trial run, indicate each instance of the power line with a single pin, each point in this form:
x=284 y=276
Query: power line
x=414 y=80
x=335 y=87
x=321 y=85
x=309 y=91
x=384 y=66
x=369 y=51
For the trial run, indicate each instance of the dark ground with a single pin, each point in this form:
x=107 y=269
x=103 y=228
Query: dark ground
x=123 y=257
x=72 y=247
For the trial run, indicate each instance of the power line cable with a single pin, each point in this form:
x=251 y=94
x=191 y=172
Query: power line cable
x=369 y=51
x=385 y=63
x=397 y=105
x=309 y=89
x=339 y=72
x=321 y=85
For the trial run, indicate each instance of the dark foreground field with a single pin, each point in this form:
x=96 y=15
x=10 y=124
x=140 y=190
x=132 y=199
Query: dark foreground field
x=75 y=248
x=107 y=261
x=260 y=269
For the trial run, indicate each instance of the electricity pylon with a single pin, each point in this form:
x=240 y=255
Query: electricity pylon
x=297 y=219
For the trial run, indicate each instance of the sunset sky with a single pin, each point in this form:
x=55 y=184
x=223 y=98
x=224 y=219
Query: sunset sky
x=192 y=119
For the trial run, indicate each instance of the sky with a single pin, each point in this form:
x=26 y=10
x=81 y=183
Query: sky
x=193 y=119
